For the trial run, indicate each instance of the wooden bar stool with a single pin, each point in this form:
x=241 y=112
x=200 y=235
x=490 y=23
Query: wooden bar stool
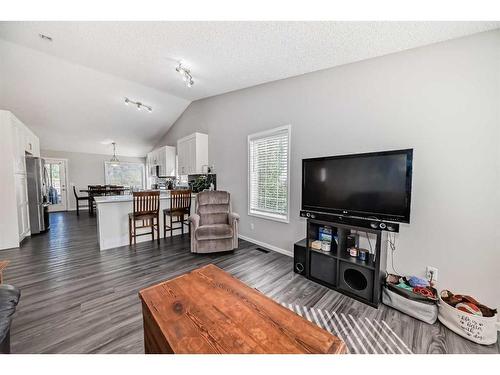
x=146 y=209
x=180 y=206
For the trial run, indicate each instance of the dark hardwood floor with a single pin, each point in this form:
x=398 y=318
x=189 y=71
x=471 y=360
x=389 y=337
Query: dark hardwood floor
x=76 y=299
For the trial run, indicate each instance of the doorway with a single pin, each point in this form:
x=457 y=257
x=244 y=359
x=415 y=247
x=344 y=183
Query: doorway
x=56 y=176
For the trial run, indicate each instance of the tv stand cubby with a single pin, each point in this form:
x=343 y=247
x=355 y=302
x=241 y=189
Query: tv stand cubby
x=337 y=270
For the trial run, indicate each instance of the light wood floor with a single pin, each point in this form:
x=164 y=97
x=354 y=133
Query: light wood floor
x=76 y=299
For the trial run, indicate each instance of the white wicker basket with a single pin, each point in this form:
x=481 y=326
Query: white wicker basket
x=426 y=312
x=479 y=329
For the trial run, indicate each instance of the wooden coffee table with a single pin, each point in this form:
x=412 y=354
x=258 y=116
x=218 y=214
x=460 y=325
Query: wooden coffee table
x=210 y=311
x=3 y=266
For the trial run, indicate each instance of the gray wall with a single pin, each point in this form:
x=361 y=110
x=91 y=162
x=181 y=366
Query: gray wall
x=84 y=169
x=442 y=100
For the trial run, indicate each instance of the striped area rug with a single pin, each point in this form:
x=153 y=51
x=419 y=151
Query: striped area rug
x=361 y=335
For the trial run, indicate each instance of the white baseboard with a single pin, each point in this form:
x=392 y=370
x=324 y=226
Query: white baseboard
x=267 y=246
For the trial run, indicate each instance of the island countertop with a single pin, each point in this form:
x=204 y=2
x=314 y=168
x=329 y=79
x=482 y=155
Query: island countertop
x=113 y=219
x=128 y=197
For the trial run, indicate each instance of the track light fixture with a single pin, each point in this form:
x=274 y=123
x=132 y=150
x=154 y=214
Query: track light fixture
x=45 y=37
x=186 y=75
x=138 y=105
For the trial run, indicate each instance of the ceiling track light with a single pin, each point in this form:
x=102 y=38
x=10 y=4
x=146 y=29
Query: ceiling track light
x=186 y=75
x=45 y=37
x=138 y=105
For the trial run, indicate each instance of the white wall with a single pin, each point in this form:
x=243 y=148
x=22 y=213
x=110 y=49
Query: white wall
x=84 y=169
x=442 y=100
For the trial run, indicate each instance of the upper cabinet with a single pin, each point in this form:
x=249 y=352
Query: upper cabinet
x=166 y=161
x=164 y=158
x=32 y=144
x=19 y=144
x=25 y=141
x=192 y=154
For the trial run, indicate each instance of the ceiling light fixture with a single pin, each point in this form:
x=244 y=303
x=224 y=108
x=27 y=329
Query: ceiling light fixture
x=114 y=160
x=45 y=37
x=186 y=75
x=138 y=105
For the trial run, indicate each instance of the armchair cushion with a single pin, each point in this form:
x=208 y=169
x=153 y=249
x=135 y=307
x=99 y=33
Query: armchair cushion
x=213 y=218
x=213 y=207
x=195 y=220
x=213 y=197
x=233 y=216
x=214 y=232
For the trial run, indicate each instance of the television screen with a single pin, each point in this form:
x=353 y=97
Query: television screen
x=363 y=185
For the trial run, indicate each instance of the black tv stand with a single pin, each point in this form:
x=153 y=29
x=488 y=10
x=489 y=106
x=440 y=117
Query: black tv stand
x=337 y=270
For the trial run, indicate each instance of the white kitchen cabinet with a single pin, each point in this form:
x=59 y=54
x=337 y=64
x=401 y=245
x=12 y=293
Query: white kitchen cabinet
x=32 y=144
x=24 y=141
x=192 y=154
x=166 y=161
x=19 y=144
x=182 y=155
x=164 y=158
x=16 y=139
x=22 y=206
x=150 y=163
x=153 y=157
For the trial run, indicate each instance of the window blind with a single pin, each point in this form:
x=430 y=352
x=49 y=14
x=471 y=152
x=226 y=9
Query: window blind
x=268 y=173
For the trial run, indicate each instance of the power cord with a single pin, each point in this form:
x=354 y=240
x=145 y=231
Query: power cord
x=431 y=281
x=370 y=244
x=392 y=245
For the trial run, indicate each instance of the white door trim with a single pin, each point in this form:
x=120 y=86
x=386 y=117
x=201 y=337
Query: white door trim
x=66 y=172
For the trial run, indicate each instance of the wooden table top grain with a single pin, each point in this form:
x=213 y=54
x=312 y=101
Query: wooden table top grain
x=209 y=311
x=3 y=266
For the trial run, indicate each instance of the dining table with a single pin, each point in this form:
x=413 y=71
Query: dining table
x=100 y=191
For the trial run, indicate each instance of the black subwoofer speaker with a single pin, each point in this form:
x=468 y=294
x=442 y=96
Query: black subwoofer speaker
x=356 y=280
x=299 y=257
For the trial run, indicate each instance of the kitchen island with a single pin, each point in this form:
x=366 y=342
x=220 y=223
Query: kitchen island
x=112 y=219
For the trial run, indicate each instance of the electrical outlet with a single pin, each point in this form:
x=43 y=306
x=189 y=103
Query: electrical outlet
x=431 y=272
x=252 y=227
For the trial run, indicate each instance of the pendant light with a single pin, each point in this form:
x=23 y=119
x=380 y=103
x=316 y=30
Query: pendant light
x=114 y=160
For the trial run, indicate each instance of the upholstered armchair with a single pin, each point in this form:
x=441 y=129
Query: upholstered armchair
x=214 y=227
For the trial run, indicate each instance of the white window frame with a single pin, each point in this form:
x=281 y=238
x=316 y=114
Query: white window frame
x=108 y=163
x=264 y=134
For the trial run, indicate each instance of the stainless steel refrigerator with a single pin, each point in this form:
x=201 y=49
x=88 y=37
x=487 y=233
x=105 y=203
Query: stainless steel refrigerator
x=37 y=194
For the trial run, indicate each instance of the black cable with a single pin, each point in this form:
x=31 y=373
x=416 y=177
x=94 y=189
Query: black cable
x=392 y=245
x=369 y=242
x=371 y=249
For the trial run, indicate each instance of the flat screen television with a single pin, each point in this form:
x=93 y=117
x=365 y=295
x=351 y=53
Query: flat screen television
x=371 y=185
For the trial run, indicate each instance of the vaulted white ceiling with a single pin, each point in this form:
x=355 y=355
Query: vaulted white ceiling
x=71 y=90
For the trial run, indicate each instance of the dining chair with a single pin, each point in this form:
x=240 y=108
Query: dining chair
x=180 y=206
x=146 y=205
x=94 y=191
x=78 y=199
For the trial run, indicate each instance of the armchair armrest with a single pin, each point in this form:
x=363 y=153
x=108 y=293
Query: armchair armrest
x=195 y=220
x=233 y=216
